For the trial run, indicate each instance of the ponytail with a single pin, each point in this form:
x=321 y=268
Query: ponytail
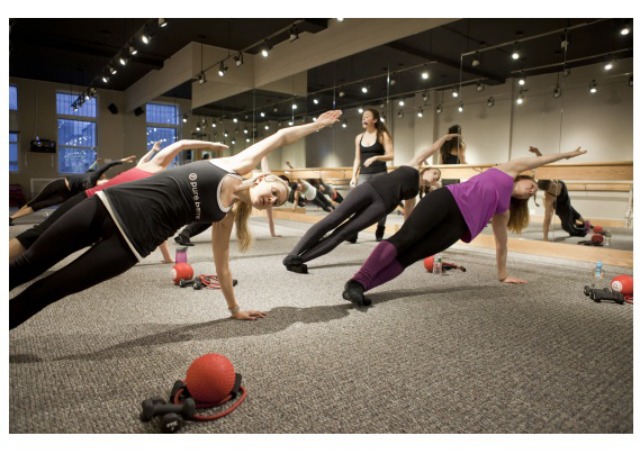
x=242 y=211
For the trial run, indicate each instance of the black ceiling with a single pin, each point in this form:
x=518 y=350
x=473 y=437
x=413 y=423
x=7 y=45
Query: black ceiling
x=75 y=52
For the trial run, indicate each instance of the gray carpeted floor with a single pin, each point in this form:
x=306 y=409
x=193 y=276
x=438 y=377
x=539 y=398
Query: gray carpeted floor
x=460 y=353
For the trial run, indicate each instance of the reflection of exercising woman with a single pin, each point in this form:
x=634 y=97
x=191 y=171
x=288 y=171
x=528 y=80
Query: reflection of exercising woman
x=62 y=189
x=364 y=206
x=454 y=212
x=556 y=197
x=128 y=221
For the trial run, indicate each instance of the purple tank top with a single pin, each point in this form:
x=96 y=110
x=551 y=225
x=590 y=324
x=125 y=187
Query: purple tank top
x=481 y=197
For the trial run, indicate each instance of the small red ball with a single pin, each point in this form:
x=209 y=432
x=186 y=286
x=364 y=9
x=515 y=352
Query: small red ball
x=428 y=264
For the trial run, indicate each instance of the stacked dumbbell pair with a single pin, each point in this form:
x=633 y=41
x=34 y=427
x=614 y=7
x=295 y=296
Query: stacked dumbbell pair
x=172 y=416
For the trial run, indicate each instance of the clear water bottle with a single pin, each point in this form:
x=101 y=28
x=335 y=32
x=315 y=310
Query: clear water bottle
x=437 y=264
x=598 y=276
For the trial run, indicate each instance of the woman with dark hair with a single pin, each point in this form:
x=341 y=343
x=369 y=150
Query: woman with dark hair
x=61 y=189
x=453 y=151
x=364 y=205
x=556 y=199
x=374 y=148
x=452 y=213
x=126 y=222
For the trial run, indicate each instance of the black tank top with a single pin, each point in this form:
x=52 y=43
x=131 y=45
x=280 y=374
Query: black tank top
x=150 y=210
x=80 y=183
x=367 y=152
x=401 y=184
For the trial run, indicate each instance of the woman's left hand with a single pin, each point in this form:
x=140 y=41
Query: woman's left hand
x=248 y=315
x=513 y=280
x=370 y=161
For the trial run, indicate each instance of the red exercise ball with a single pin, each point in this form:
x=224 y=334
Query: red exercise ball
x=428 y=264
x=623 y=284
x=598 y=229
x=181 y=271
x=596 y=238
x=210 y=378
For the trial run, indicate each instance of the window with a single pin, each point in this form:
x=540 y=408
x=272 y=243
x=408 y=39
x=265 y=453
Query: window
x=77 y=133
x=162 y=125
x=13 y=97
x=13 y=152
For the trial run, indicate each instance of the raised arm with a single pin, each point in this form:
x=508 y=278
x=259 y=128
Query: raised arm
x=249 y=158
x=167 y=154
x=516 y=166
x=422 y=156
x=149 y=154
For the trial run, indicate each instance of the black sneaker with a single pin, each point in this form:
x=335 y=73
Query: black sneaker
x=353 y=239
x=379 y=232
x=299 y=268
x=354 y=292
x=183 y=240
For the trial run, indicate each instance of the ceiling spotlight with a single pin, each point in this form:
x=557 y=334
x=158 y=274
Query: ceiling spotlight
x=235 y=120
x=476 y=60
x=340 y=19
x=420 y=112
x=425 y=97
x=239 y=59
x=556 y=92
x=392 y=80
x=608 y=66
x=87 y=97
x=520 y=98
x=515 y=55
x=222 y=69
x=460 y=107
x=593 y=86
x=365 y=89
x=132 y=50
x=233 y=141
x=123 y=60
x=112 y=70
x=625 y=30
x=184 y=118
x=290 y=123
x=344 y=123
x=566 y=72
x=294 y=106
x=266 y=127
x=439 y=109
x=262 y=114
x=521 y=81
x=401 y=103
x=245 y=131
x=479 y=86
x=105 y=78
x=145 y=37
x=400 y=114
x=316 y=101
x=202 y=78
x=75 y=106
x=491 y=102
x=341 y=94
x=360 y=110
x=226 y=134
x=247 y=140
x=424 y=75
x=162 y=23
x=455 y=93
x=293 y=34
x=266 y=49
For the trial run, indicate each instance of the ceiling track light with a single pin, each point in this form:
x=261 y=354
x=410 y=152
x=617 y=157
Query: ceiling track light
x=185 y=117
x=401 y=103
x=520 y=98
x=479 y=86
x=515 y=54
x=162 y=23
x=557 y=93
x=425 y=97
x=145 y=37
x=105 y=78
x=460 y=107
x=202 y=78
x=365 y=89
x=439 y=109
x=420 y=112
x=400 y=114
x=522 y=81
x=608 y=66
x=455 y=93
x=293 y=33
x=424 y=75
x=222 y=69
x=476 y=60
x=239 y=59
x=593 y=87
x=316 y=101
x=266 y=49
x=344 y=123
x=123 y=60
x=625 y=30
x=491 y=102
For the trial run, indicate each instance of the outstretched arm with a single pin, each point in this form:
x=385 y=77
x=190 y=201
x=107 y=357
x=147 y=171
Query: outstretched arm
x=149 y=154
x=421 y=157
x=535 y=150
x=166 y=155
x=516 y=166
x=248 y=159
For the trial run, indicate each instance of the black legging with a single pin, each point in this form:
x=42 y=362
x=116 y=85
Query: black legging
x=362 y=208
x=435 y=224
x=29 y=236
x=87 y=224
x=53 y=193
x=567 y=214
x=322 y=202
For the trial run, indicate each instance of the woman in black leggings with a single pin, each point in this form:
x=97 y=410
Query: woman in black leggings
x=456 y=212
x=126 y=222
x=365 y=205
x=61 y=189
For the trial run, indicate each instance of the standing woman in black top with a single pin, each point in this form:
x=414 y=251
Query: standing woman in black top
x=453 y=152
x=61 y=189
x=364 y=206
x=373 y=149
x=128 y=221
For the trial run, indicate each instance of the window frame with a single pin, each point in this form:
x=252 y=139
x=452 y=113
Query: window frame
x=75 y=118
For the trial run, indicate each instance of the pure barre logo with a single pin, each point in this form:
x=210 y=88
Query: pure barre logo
x=193 y=182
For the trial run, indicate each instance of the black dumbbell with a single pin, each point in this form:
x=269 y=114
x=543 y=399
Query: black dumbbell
x=171 y=423
x=186 y=409
x=187 y=282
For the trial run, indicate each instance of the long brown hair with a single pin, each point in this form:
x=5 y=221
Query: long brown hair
x=450 y=145
x=381 y=128
x=426 y=189
x=242 y=212
x=519 y=210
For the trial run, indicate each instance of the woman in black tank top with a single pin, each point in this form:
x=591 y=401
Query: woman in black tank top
x=364 y=205
x=178 y=193
x=374 y=148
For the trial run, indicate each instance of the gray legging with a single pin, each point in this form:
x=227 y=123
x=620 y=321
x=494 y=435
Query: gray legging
x=360 y=209
x=362 y=177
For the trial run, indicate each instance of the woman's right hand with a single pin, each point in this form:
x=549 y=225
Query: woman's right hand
x=248 y=315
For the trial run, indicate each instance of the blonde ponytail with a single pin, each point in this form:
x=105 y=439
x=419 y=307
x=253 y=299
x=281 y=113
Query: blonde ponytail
x=242 y=211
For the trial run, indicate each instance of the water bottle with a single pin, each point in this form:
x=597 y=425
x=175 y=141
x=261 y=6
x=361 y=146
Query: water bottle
x=598 y=276
x=607 y=238
x=437 y=264
x=181 y=254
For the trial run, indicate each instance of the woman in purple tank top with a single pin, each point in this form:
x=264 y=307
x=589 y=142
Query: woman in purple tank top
x=452 y=213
